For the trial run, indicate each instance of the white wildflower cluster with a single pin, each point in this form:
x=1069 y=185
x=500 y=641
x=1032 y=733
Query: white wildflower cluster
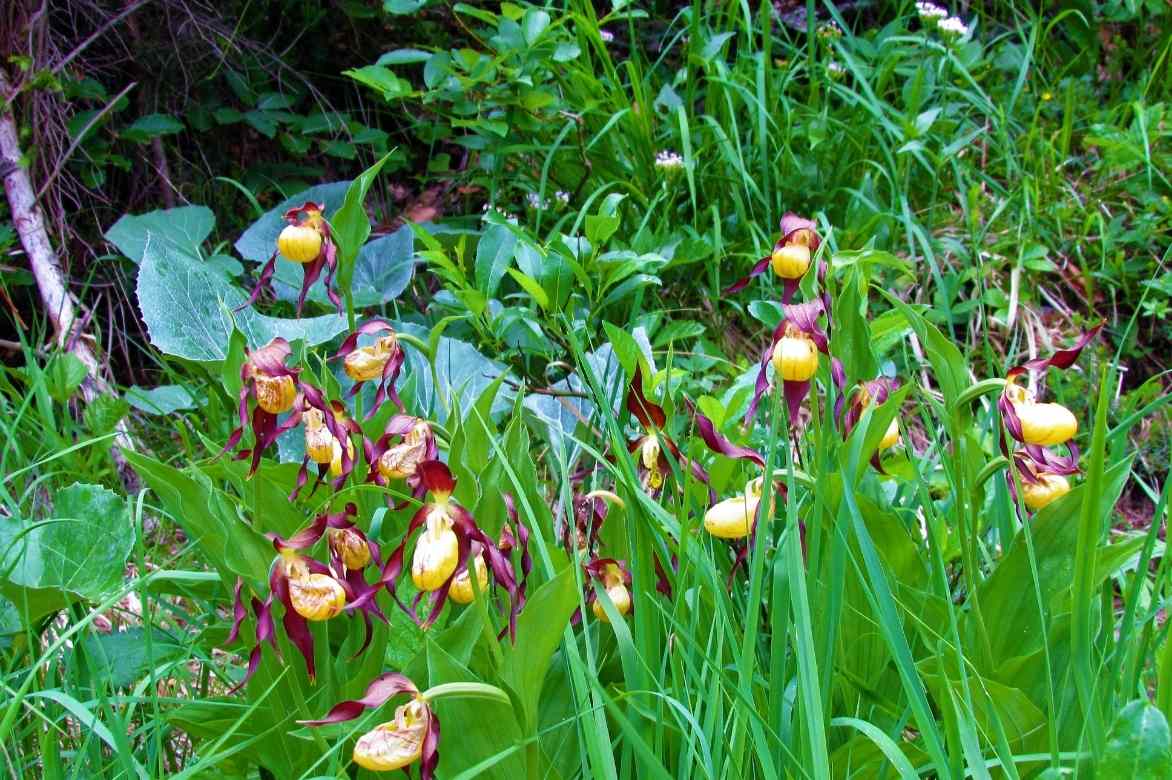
x=955 y=27
x=561 y=199
x=488 y=207
x=837 y=71
x=930 y=11
x=829 y=30
x=668 y=160
x=933 y=15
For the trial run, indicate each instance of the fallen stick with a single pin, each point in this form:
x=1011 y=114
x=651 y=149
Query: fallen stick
x=56 y=299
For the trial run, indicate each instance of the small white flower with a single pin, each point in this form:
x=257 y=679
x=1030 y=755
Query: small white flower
x=954 y=26
x=562 y=197
x=606 y=35
x=829 y=30
x=668 y=160
x=930 y=11
x=836 y=70
x=534 y=200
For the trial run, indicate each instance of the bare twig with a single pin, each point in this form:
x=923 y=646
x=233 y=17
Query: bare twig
x=55 y=296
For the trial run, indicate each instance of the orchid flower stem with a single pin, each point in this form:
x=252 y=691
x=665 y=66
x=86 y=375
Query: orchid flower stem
x=466 y=690
x=426 y=350
x=984 y=387
x=418 y=343
x=991 y=468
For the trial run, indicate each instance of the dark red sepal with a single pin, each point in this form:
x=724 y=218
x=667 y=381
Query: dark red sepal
x=381 y=689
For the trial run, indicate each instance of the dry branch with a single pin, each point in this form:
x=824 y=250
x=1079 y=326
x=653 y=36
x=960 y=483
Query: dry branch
x=56 y=299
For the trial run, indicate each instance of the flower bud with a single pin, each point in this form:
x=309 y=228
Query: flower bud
x=619 y=596
x=350 y=547
x=1049 y=487
x=460 y=591
x=795 y=358
x=394 y=744
x=274 y=394
x=366 y=363
x=436 y=554
x=316 y=596
x=791 y=261
x=299 y=243
x=319 y=442
x=891 y=437
x=732 y=518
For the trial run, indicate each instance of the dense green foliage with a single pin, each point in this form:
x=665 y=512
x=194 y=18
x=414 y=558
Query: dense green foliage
x=548 y=202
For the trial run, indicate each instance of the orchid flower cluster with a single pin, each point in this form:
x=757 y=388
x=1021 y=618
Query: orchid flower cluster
x=453 y=558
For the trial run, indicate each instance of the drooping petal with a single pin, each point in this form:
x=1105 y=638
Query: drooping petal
x=648 y=414
x=429 y=759
x=240 y=612
x=380 y=690
x=743 y=282
x=795 y=393
x=719 y=444
x=1062 y=359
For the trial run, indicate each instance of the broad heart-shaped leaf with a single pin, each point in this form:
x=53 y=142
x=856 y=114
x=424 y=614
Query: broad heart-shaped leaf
x=1139 y=745
x=494 y=255
x=463 y=373
x=188 y=309
x=184 y=228
x=79 y=552
x=382 y=272
x=259 y=241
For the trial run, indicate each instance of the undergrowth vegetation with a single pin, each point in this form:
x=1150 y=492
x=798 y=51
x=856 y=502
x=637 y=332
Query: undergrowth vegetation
x=665 y=389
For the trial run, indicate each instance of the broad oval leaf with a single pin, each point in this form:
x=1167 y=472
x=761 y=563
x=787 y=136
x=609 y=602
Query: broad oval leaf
x=79 y=552
x=184 y=228
x=1139 y=745
x=188 y=310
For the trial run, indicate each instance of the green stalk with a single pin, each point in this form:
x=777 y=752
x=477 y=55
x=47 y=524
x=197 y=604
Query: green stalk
x=1090 y=527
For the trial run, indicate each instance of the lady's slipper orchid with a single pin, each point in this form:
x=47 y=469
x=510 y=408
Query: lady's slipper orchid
x=734 y=518
x=310 y=590
x=1041 y=425
x=326 y=427
x=793 y=351
x=790 y=258
x=1041 y=489
x=615 y=580
x=413 y=735
x=867 y=394
x=307 y=241
x=652 y=463
x=273 y=386
x=460 y=590
x=445 y=547
x=382 y=361
x=401 y=460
